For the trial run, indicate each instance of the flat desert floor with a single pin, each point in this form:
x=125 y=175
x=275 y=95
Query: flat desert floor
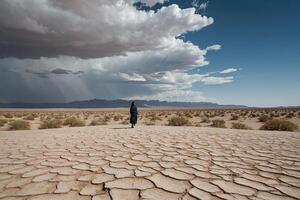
x=149 y=162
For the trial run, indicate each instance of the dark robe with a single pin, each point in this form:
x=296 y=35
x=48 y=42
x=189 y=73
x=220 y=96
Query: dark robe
x=133 y=114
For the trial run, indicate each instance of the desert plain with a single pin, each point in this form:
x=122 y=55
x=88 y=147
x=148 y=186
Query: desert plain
x=170 y=154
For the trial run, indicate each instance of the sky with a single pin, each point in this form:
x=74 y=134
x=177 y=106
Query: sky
x=242 y=52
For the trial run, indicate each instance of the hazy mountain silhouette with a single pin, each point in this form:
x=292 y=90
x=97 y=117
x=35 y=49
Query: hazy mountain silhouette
x=119 y=103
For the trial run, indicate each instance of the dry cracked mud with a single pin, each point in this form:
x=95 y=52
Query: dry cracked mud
x=149 y=162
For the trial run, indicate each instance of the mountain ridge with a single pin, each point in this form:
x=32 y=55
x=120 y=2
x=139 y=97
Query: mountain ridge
x=118 y=103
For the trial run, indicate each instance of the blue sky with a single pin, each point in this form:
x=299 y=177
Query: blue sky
x=151 y=49
x=262 y=38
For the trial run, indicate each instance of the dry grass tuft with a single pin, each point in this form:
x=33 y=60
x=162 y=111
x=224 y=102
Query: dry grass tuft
x=179 y=121
x=234 y=117
x=74 y=122
x=238 y=125
x=205 y=120
x=279 y=125
x=19 y=125
x=55 y=123
x=8 y=115
x=263 y=118
x=218 y=123
x=2 y=122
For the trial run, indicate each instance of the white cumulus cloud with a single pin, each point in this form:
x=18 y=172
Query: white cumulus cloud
x=61 y=50
x=229 y=70
x=90 y=29
x=212 y=80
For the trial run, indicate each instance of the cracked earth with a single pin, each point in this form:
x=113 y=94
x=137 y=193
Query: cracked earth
x=149 y=162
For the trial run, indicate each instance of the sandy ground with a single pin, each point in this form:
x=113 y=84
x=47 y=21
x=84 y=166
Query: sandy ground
x=149 y=162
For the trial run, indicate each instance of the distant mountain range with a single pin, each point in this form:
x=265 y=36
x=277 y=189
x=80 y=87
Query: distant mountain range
x=119 y=103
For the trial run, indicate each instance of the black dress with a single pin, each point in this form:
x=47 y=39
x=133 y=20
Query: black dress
x=133 y=114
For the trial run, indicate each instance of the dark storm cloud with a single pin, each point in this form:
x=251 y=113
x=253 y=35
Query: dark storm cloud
x=57 y=71
x=61 y=71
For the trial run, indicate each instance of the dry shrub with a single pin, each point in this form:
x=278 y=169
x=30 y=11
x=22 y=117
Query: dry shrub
x=188 y=115
x=8 y=115
x=118 y=117
x=161 y=114
x=179 y=121
x=283 y=114
x=238 y=125
x=153 y=117
x=59 y=117
x=263 y=118
x=2 y=122
x=234 y=117
x=107 y=118
x=98 y=122
x=55 y=123
x=290 y=115
x=253 y=115
x=74 y=122
x=205 y=120
x=19 y=125
x=197 y=114
x=218 y=123
x=279 y=125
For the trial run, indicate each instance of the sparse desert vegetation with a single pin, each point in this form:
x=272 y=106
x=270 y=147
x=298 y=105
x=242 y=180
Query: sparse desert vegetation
x=178 y=121
x=2 y=122
x=238 y=125
x=74 y=122
x=279 y=125
x=54 y=123
x=260 y=118
x=19 y=125
x=218 y=123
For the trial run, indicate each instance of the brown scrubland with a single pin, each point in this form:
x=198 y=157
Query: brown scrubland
x=281 y=119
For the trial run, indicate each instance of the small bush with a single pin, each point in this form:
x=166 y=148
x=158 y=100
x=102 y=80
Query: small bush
x=74 y=122
x=234 y=117
x=2 y=122
x=153 y=117
x=179 y=121
x=118 y=117
x=8 y=115
x=238 y=125
x=97 y=122
x=107 y=118
x=205 y=120
x=55 y=123
x=218 y=123
x=188 y=115
x=290 y=115
x=279 y=125
x=264 y=118
x=19 y=125
x=253 y=115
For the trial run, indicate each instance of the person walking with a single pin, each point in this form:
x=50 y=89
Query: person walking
x=133 y=114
